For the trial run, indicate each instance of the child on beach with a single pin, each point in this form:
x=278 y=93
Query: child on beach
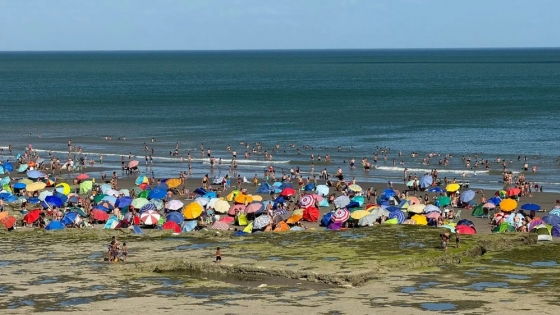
x=218 y=256
x=457 y=240
x=124 y=251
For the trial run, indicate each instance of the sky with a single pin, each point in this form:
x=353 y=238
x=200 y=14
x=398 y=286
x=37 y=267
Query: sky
x=31 y=25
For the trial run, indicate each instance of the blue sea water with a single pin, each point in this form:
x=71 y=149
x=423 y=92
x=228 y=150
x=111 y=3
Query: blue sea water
x=494 y=103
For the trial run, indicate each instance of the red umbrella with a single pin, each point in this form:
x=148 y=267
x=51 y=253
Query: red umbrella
x=287 y=192
x=170 y=225
x=133 y=163
x=10 y=222
x=32 y=216
x=82 y=176
x=100 y=215
x=513 y=192
x=227 y=220
x=144 y=186
x=311 y=214
x=306 y=201
x=220 y=225
x=253 y=207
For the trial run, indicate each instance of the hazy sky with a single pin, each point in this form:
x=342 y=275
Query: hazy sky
x=276 y=24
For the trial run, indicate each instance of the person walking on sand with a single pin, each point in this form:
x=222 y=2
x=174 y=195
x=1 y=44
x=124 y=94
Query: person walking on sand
x=124 y=251
x=218 y=256
x=457 y=240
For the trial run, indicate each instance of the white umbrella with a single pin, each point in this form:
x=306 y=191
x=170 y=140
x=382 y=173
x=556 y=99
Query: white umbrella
x=125 y=192
x=45 y=194
x=322 y=190
x=221 y=206
x=202 y=201
x=174 y=205
x=341 y=201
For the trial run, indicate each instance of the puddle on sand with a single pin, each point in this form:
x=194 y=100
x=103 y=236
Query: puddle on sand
x=95 y=255
x=549 y=263
x=75 y=301
x=412 y=245
x=480 y=286
x=274 y=258
x=5 y=263
x=47 y=280
x=513 y=276
x=20 y=303
x=330 y=258
x=438 y=306
x=421 y=286
x=468 y=273
x=544 y=283
x=351 y=235
x=199 y=246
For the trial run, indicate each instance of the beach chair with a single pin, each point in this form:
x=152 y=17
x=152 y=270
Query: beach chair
x=457 y=216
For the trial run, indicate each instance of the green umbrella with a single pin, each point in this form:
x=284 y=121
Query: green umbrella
x=444 y=201
x=79 y=211
x=144 y=194
x=98 y=198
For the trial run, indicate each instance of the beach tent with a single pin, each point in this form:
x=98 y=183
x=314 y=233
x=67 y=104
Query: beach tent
x=54 y=225
x=264 y=188
x=217 y=180
x=555 y=231
x=465 y=229
x=111 y=223
x=326 y=220
x=543 y=231
x=480 y=212
x=86 y=187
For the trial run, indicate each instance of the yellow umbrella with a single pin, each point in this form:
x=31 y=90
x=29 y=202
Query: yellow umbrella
x=232 y=195
x=452 y=187
x=25 y=181
x=295 y=218
x=36 y=186
x=508 y=205
x=355 y=188
x=243 y=199
x=358 y=214
x=418 y=208
x=221 y=206
x=173 y=183
x=192 y=211
x=256 y=198
x=64 y=188
x=420 y=219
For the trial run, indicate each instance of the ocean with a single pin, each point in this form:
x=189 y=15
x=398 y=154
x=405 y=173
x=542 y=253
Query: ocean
x=345 y=103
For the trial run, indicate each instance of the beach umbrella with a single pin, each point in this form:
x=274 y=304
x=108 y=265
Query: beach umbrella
x=555 y=212
x=257 y=198
x=110 y=199
x=310 y=214
x=63 y=188
x=82 y=177
x=35 y=186
x=227 y=220
x=243 y=198
x=294 y=218
x=388 y=192
x=35 y=174
x=420 y=219
x=508 y=205
x=398 y=215
x=233 y=210
x=355 y=188
x=444 y=201
x=53 y=201
x=9 y=222
x=112 y=192
x=144 y=194
x=142 y=179
x=212 y=202
x=495 y=200
x=221 y=206
x=45 y=194
x=452 y=187
x=341 y=202
x=8 y=167
x=433 y=215
x=54 y=226
x=173 y=182
x=309 y=187
x=531 y=206
x=489 y=206
x=175 y=205
x=158 y=203
x=148 y=207
x=513 y=191
x=5 y=196
x=220 y=225
x=322 y=190
x=192 y=211
x=254 y=207
x=79 y=211
x=3 y=216
x=287 y=192
x=32 y=216
x=280 y=212
x=171 y=225
x=22 y=168
x=551 y=219
x=150 y=217
x=436 y=190
x=261 y=222
x=124 y=192
x=368 y=220
x=467 y=196
x=340 y=216
x=70 y=218
x=431 y=208
x=188 y=226
x=157 y=193
x=123 y=202
x=202 y=201
x=465 y=222
x=426 y=181
x=357 y=215
x=99 y=215
x=138 y=203
x=105 y=188
x=306 y=201
x=281 y=227
x=133 y=163
x=418 y=208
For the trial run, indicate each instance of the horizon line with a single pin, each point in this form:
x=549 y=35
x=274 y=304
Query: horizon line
x=282 y=49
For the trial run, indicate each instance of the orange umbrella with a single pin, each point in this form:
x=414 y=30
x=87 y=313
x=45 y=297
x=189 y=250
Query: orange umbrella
x=173 y=183
x=10 y=222
x=508 y=205
x=242 y=198
x=294 y=219
x=281 y=227
x=3 y=216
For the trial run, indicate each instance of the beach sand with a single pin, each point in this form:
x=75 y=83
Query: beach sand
x=64 y=271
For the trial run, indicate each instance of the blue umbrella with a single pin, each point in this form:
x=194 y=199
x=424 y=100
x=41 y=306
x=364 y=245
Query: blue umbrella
x=188 y=226
x=157 y=193
x=210 y=195
x=399 y=215
x=436 y=190
x=5 y=180
x=54 y=225
x=4 y=196
x=33 y=200
x=465 y=222
x=123 y=202
x=137 y=230
x=277 y=184
x=309 y=187
x=326 y=220
x=555 y=212
x=163 y=186
x=148 y=206
x=8 y=167
x=53 y=201
x=200 y=191
x=286 y=185
x=389 y=193
x=531 y=206
x=178 y=217
x=102 y=208
x=19 y=186
x=495 y=200
x=69 y=218
x=62 y=197
x=426 y=181
x=467 y=196
x=353 y=204
x=393 y=208
x=551 y=219
x=35 y=174
x=110 y=199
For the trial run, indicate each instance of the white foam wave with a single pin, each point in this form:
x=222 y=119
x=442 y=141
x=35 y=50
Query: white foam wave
x=425 y=170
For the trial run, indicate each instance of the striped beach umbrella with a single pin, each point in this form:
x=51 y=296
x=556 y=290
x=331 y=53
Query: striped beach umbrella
x=340 y=216
x=150 y=217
